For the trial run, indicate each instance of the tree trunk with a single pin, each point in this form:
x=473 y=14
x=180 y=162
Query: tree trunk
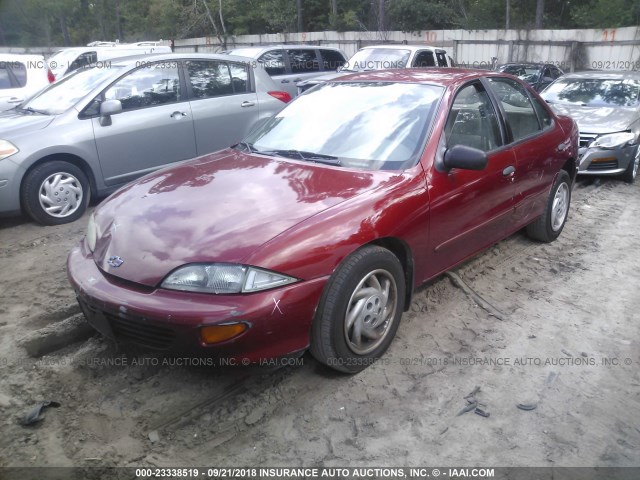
x=65 y=30
x=300 y=16
x=118 y=21
x=224 y=28
x=507 y=22
x=539 y=13
x=381 y=26
x=3 y=40
x=333 y=18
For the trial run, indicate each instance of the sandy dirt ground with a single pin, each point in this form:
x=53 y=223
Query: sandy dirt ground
x=568 y=342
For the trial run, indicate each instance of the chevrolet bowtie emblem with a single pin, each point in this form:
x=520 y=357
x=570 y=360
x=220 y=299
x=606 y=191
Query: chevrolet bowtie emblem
x=115 y=261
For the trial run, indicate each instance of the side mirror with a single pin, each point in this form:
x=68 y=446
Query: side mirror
x=466 y=158
x=108 y=108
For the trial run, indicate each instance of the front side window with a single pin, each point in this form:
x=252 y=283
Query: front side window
x=273 y=62
x=303 y=61
x=472 y=120
x=517 y=107
x=5 y=78
x=20 y=73
x=83 y=60
x=442 y=59
x=148 y=86
x=366 y=125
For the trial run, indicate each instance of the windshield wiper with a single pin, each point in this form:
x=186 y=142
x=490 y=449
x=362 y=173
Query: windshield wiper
x=302 y=155
x=247 y=146
x=33 y=110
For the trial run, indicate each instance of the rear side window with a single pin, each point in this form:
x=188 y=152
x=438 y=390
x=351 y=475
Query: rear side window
x=20 y=73
x=239 y=77
x=151 y=85
x=543 y=115
x=303 y=61
x=273 y=62
x=331 y=59
x=209 y=79
x=517 y=107
x=424 y=59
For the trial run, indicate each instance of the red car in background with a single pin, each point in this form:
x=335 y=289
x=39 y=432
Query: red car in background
x=314 y=232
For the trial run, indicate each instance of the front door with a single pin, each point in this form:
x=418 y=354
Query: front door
x=155 y=127
x=471 y=209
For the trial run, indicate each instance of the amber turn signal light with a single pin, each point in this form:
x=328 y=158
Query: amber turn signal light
x=220 y=333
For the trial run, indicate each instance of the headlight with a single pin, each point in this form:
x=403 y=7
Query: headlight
x=613 y=140
x=92 y=233
x=224 y=278
x=7 y=149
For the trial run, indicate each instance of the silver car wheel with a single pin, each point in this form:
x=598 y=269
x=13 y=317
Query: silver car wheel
x=560 y=207
x=370 y=311
x=60 y=194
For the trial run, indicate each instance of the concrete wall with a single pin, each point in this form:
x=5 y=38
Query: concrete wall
x=615 y=48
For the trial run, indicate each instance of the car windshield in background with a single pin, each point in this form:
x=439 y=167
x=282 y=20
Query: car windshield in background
x=64 y=94
x=594 y=92
x=377 y=59
x=368 y=125
x=528 y=74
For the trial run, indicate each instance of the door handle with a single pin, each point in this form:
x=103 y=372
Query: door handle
x=178 y=115
x=509 y=171
x=285 y=81
x=15 y=100
x=247 y=104
x=563 y=146
x=297 y=80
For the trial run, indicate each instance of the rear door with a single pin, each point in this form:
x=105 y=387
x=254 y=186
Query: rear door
x=276 y=66
x=155 y=127
x=537 y=145
x=471 y=210
x=13 y=78
x=223 y=101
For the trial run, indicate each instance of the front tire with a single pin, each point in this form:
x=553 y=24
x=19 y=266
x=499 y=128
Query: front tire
x=549 y=226
x=631 y=172
x=55 y=193
x=359 y=311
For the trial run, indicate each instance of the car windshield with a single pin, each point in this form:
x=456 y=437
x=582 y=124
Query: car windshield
x=62 y=95
x=367 y=125
x=527 y=73
x=594 y=92
x=377 y=59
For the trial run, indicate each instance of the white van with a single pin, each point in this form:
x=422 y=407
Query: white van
x=70 y=59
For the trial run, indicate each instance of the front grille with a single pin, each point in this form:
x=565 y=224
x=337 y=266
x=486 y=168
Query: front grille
x=608 y=165
x=135 y=329
x=586 y=139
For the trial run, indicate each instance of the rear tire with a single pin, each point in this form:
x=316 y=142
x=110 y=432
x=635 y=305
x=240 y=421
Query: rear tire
x=631 y=172
x=359 y=311
x=55 y=193
x=548 y=227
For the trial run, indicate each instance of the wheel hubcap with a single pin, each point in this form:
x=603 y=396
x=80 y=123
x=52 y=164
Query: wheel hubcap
x=560 y=207
x=370 y=312
x=60 y=194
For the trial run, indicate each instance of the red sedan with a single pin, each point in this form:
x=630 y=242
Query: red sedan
x=314 y=232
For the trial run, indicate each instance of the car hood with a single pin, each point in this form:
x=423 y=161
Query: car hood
x=13 y=121
x=217 y=208
x=598 y=119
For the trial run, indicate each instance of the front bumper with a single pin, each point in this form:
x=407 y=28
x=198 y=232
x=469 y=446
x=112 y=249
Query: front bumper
x=10 y=178
x=599 y=161
x=279 y=320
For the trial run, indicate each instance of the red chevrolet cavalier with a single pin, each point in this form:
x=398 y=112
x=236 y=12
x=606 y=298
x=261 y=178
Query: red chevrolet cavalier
x=314 y=232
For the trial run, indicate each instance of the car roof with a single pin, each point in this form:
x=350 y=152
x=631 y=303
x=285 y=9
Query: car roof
x=132 y=59
x=396 y=46
x=444 y=76
x=525 y=64
x=16 y=57
x=605 y=75
x=282 y=45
